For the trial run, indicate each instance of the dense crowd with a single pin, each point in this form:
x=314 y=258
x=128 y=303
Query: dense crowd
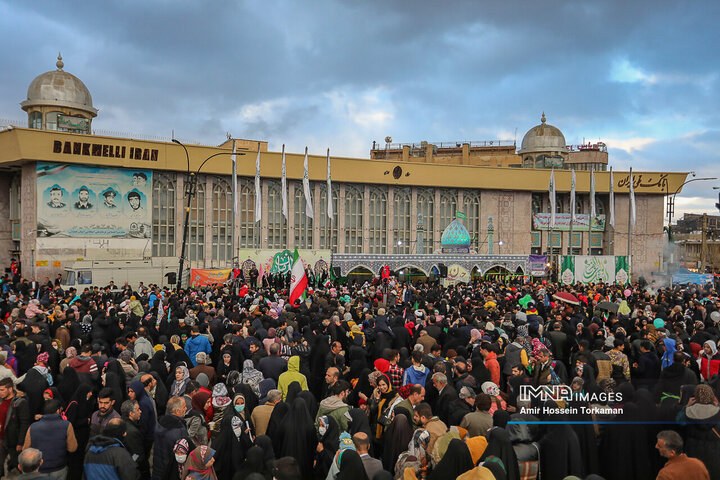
x=359 y=381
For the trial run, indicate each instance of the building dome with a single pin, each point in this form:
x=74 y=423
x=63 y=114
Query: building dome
x=58 y=88
x=543 y=138
x=455 y=235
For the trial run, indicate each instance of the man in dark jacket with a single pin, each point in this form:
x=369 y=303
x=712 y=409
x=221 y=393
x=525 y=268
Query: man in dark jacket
x=17 y=421
x=170 y=428
x=54 y=437
x=646 y=370
x=134 y=440
x=273 y=365
x=107 y=458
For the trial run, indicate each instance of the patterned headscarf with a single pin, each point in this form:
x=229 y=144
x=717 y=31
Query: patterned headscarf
x=704 y=394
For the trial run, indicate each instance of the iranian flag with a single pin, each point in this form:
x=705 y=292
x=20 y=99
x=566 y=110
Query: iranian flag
x=298 y=280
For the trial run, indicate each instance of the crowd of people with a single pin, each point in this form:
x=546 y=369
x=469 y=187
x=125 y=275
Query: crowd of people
x=374 y=381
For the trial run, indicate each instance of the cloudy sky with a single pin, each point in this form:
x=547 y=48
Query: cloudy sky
x=640 y=76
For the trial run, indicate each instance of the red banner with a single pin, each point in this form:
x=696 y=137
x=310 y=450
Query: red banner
x=206 y=276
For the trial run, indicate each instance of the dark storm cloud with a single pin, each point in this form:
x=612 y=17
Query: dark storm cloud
x=345 y=73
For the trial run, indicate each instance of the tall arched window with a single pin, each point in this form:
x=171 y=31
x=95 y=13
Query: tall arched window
x=163 y=216
x=378 y=220
x=448 y=207
x=303 y=223
x=246 y=207
x=353 y=219
x=222 y=253
x=35 y=120
x=328 y=229
x=277 y=228
x=196 y=237
x=426 y=208
x=402 y=221
x=473 y=223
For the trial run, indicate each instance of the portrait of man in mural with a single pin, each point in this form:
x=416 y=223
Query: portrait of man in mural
x=110 y=195
x=139 y=179
x=56 y=197
x=83 y=202
x=135 y=204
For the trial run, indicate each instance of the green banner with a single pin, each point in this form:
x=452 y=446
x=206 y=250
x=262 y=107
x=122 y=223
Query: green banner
x=594 y=269
x=460 y=215
x=567 y=270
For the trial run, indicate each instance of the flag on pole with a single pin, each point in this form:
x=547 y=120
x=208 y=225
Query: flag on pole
x=330 y=211
x=258 y=192
x=593 y=209
x=572 y=196
x=306 y=188
x=298 y=280
x=612 y=199
x=460 y=215
x=283 y=185
x=632 y=200
x=551 y=193
x=234 y=180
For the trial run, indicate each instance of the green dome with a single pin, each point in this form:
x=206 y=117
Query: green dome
x=455 y=235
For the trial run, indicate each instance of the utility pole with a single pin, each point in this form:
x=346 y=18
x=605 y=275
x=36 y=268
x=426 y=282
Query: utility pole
x=703 y=244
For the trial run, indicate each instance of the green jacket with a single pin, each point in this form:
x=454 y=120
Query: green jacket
x=291 y=375
x=335 y=408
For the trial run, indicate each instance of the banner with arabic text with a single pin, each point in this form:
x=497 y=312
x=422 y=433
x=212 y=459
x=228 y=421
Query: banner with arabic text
x=593 y=269
x=208 y=276
x=280 y=261
x=541 y=221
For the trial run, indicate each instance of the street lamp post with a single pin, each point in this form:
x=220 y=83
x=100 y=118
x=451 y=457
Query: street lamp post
x=190 y=190
x=500 y=244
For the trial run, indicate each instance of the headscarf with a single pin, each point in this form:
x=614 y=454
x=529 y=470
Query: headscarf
x=477 y=446
x=220 y=395
x=351 y=466
x=667 y=358
x=181 y=447
x=252 y=376
x=711 y=344
x=704 y=394
x=178 y=387
x=197 y=462
x=456 y=461
x=418 y=444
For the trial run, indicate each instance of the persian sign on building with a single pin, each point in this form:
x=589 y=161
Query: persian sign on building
x=582 y=223
x=594 y=269
x=80 y=201
x=280 y=261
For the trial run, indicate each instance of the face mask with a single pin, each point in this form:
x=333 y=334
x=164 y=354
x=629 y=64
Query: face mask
x=322 y=430
x=180 y=458
x=239 y=408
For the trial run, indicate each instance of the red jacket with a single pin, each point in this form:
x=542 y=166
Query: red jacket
x=709 y=367
x=492 y=364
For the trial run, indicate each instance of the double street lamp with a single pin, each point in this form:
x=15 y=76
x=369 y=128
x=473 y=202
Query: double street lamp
x=190 y=190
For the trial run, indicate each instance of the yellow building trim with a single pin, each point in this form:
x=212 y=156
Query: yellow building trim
x=22 y=145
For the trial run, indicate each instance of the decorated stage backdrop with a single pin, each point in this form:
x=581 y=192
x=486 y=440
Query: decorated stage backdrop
x=594 y=269
x=94 y=202
x=280 y=261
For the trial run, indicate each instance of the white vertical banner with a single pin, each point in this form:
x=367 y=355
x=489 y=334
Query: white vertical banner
x=612 y=199
x=330 y=211
x=572 y=197
x=551 y=194
x=283 y=186
x=234 y=180
x=258 y=191
x=593 y=208
x=633 y=213
x=306 y=188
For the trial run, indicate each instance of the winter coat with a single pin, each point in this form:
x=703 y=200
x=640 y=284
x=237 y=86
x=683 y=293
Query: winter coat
x=335 y=408
x=169 y=429
x=107 y=459
x=195 y=345
x=292 y=375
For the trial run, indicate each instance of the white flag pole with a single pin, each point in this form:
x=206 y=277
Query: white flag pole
x=283 y=186
x=306 y=188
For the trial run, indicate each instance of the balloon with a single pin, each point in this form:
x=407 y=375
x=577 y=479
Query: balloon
x=627 y=292
x=659 y=323
x=715 y=316
x=525 y=300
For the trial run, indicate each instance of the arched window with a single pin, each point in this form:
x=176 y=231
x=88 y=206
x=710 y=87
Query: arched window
x=246 y=207
x=528 y=162
x=222 y=253
x=303 y=223
x=196 y=237
x=540 y=161
x=426 y=208
x=378 y=220
x=277 y=229
x=353 y=219
x=536 y=203
x=35 y=120
x=448 y=207
x=163 y=216
x=402 y=221
x=328 y=229
x=473 y=223
x=599 y=206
